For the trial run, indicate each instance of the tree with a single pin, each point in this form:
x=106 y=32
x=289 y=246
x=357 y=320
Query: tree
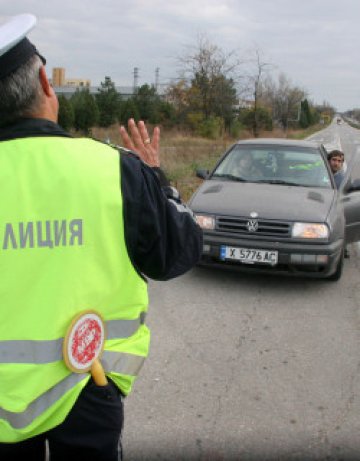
x=85 y=110
x=108 y=101
x=147 y=102
x=306 y=118
x=211 y=128
x=259 y=68
x=353 y=113
x=212 y=89
x=177 y=96
x=128 y=109
x=259 y=118
x=66 y=113
x=283 y=98
x=166 y=114
x=225 y=99
x=147 y=105
x=325 y=111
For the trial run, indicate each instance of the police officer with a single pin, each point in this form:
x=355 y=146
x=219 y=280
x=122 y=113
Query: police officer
x=82 y=225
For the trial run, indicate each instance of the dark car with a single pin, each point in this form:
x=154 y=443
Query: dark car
x=271 y=205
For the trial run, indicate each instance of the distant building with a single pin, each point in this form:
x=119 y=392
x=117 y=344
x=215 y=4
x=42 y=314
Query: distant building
x=68 y=90
x=58 y=76
x=68 y=86
x=78 y=82
x=59 y=79
x=245 y=104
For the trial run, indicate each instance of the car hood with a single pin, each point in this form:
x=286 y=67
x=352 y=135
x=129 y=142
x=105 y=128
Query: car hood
x=269 y=201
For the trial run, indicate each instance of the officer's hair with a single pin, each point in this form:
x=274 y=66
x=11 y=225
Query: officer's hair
x=20 y=92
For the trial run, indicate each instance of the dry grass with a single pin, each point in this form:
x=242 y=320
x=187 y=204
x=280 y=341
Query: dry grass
x=181 y=154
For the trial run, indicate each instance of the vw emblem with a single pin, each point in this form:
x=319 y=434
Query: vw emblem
x=252 y=225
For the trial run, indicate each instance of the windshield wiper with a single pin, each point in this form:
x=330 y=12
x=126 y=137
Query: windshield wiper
x=281 y=181
x=229 y=176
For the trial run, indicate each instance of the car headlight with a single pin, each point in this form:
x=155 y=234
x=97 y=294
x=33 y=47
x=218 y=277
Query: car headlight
x=310 y=230
x=205 y=222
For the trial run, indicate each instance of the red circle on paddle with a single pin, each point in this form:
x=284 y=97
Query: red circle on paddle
x=84 y=341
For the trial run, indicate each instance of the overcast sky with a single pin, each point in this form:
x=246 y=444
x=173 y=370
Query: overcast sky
x=315 y=43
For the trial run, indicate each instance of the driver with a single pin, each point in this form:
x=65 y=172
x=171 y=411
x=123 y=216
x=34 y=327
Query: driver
x=244 y=165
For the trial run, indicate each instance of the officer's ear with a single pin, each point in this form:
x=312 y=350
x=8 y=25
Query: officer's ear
x=45 y=84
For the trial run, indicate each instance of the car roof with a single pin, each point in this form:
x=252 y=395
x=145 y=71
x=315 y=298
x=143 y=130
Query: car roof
x=278 y=142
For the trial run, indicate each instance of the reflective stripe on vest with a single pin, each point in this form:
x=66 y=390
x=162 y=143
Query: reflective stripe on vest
x=40 y=352
x=115 y=361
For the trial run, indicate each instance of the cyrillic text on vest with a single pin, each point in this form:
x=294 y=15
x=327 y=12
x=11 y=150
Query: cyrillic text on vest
x=43 y=234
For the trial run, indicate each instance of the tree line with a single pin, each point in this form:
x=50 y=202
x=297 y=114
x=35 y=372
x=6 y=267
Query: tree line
x=353 y=116
x=213 y=95
x=84 y=110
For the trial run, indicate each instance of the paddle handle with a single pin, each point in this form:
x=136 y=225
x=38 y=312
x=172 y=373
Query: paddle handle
x=98 y=373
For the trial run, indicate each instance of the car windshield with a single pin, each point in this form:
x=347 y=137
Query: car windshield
x=295 y=166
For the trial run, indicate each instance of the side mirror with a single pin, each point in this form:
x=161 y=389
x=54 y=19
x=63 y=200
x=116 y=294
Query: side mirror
x=201 y=173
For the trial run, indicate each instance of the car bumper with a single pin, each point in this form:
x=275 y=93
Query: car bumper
x=315 y=260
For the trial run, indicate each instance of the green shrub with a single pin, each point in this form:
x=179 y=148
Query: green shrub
x=211 y=128
x=236 y=128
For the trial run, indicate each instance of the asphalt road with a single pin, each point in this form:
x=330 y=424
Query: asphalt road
x=342 y=137
x=251 y=367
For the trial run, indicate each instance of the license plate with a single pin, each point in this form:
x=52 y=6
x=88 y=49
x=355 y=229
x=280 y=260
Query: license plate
x=249 y=255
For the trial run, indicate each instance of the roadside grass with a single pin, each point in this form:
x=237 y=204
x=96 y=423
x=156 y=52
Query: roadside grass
x=181 y=153
x=352 y=123
x=302 y=134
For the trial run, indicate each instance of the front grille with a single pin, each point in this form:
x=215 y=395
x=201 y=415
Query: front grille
x=265 y=227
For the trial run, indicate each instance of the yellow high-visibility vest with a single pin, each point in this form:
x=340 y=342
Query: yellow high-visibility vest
x=62 y=251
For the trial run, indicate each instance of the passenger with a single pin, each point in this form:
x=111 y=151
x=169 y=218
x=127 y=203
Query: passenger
x=336 y=162
x=244 y=166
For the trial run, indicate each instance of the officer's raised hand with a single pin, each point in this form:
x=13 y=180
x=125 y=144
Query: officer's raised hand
x=137 y=139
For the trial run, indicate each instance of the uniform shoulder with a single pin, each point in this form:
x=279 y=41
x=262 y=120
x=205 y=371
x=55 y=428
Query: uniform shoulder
x=126 y=153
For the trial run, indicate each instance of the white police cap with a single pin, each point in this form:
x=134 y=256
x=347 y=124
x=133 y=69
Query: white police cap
x=15 y=48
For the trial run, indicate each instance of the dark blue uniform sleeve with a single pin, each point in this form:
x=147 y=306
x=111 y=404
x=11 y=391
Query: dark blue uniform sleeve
x=162 y=237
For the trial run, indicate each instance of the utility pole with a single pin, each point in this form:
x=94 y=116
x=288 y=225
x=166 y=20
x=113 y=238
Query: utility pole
x=157 y=72
x=136 y=78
